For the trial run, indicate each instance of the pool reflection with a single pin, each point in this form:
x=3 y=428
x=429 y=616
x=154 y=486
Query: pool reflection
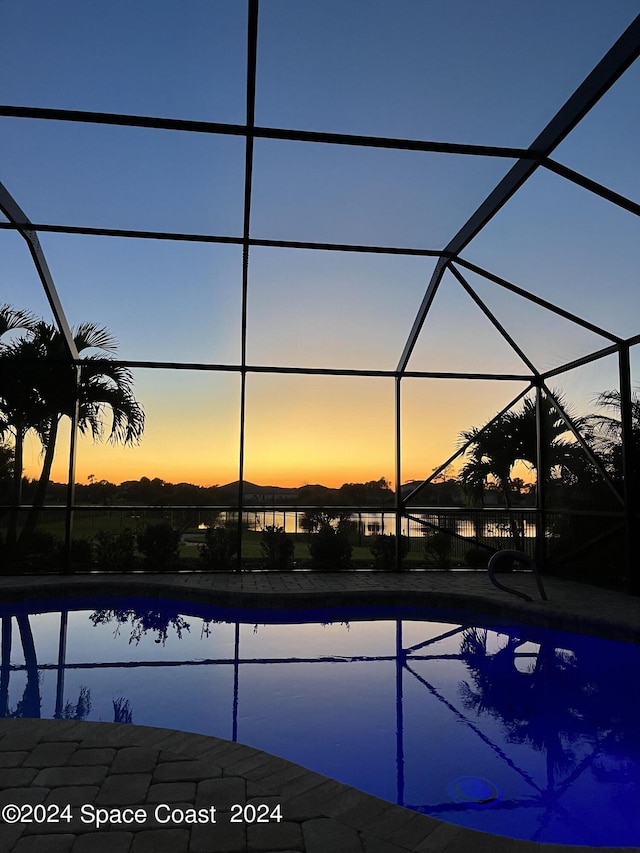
x=429 y=714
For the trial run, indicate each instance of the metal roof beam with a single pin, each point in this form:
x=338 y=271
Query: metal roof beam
x=429 y=296
x=18 y=217
x=610 y=68
x=593 y=186
x=289 y=134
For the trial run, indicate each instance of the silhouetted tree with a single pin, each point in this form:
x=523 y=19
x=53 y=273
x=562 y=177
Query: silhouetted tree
x=19 y=405
x=605 y=430
x=496 y=448
x=277 y=548
x=104 y=392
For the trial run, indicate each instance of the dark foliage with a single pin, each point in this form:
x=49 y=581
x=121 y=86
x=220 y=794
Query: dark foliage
x=219 y=548
x=277 y=548
x=330 y=548
x=383 y=549
x=114 y=550
x=160 y=545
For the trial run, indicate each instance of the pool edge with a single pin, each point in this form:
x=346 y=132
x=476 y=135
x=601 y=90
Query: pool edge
x=324 y=809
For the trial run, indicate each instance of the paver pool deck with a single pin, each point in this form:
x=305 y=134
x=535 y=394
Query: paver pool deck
x=116 y=766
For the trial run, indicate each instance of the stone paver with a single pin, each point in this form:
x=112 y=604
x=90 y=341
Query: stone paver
x=222 y=792
x=46 y=844
x=183 y=771
x=9 y=835
x=17 y=777
x=223 y=837
x=92 y=756
x=31 y=795
x=172 y=792
x=286 y=835
x=103 y=842
x=370 y=844
x=125 y=789
x=56 y=777
x=161 y=841
x=325 y=834
x=117 y=766
x=12 y=759
x=50 y=755
x=75 y=795
x=135 y=759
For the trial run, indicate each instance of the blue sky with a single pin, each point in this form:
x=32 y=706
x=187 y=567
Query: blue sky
x=446 y=70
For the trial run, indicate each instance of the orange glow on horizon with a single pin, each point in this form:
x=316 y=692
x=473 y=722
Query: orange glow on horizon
x=311 y=429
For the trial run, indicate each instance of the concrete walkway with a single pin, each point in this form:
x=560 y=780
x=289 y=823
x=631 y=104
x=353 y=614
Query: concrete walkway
x=141 y=777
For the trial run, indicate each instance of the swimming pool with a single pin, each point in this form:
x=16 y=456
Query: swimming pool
x=509 y=729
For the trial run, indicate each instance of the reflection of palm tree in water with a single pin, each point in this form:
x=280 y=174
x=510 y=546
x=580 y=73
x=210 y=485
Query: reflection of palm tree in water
x=79 y=710
x=122 y=712
x=5 y=666
x=142 y=621
x=544 y=706
x=570 y=705
x=30 y=704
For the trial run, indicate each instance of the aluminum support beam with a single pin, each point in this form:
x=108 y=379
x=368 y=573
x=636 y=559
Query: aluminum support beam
x=464 y=446
x=18 y=217
x=629 y=468
x=429 y=296
x=493 y=319
x=541 y=481
x=615 y=62
x=610 y=68
x=593 y=186
x=583 y=444
x=252 y=50
x=538 y=300
x=185 y=125
x=398 y=501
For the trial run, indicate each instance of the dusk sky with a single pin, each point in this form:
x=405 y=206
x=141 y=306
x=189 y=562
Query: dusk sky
x=489 y=73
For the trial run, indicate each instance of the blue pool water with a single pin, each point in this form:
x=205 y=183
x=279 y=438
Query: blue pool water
x=509 y=729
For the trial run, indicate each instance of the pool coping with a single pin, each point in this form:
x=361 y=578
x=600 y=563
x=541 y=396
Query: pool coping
x=571 y=606
x=329 y=807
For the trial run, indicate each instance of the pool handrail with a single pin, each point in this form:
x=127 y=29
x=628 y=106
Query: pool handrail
x=520 y=556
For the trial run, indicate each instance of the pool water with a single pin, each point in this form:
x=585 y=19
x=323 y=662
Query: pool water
x=509 y=729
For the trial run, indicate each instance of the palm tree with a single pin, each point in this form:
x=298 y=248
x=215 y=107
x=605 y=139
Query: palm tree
x=559 y=454
x=14 y=318
x=103 y=390
x=19 y=405
x=492 y=452
x=605 y=430
x=495 y=448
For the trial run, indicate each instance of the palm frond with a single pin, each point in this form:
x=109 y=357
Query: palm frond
x=92 y=336
x=15 y=318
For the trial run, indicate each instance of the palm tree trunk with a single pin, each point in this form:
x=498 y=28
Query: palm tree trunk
x=31 y=701
x=43 y=483
x=513 y=523
x=16 y=491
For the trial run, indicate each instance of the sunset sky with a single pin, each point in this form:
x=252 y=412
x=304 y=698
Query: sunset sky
x=448 y=70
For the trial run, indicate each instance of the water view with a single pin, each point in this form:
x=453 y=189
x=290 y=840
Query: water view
x=508 y=729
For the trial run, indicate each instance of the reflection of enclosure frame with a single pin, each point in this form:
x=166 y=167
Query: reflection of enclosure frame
x=547 y=797
x=617 y=60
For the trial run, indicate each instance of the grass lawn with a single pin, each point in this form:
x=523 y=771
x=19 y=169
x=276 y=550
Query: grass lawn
x=87 y=523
